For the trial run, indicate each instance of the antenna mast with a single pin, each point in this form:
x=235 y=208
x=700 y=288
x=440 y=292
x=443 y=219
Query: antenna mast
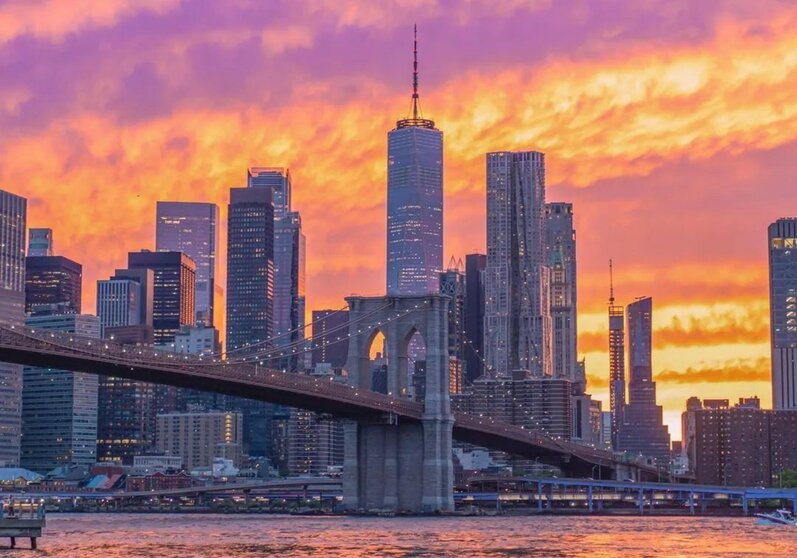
x=611 y=285
x=415 y=73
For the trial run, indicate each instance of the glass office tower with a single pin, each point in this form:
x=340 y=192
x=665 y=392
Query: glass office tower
x=192 y=228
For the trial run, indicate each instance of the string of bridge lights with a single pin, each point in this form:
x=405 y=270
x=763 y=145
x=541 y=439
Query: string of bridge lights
x=277 y=335
x=307 y=345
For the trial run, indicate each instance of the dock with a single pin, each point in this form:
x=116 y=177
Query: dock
x=21 y=520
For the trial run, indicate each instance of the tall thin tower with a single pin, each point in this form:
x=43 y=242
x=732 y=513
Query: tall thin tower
x=616 y=361
x=414 y=201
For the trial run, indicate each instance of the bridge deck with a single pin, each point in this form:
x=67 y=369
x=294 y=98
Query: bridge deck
x=72 y=352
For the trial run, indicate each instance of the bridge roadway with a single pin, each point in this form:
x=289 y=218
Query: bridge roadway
x=66 y=351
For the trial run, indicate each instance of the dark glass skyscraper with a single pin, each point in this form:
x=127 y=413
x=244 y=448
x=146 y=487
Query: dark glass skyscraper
x=782 y=240
x=452 y=284
x=173 y=302
x=52 y=281
x=250 y=267
x=250 y=298
x=289 y=288
x=643 y=431
x=192 y=228
x=475 y=264
x=414 y=203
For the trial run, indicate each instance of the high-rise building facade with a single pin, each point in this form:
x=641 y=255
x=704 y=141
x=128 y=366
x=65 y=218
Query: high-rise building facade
x=59 y=408
x=250 y=298
x=643 y=431
x=475 y=264
x=52 y=282
x=616 y=363
x=782 y=246
x=542 y=404
x=198 y=437
x=289 y=288
x=125 y=420
x=192 y=228
x=40 y=242
x=517 y=288
x=560 y=250
x=414 y=202
x=330 y=337
x=250 y=267
x=452 y=284
x=173 y=293
x=742 y=445
x=13 y=215
x=119 y=302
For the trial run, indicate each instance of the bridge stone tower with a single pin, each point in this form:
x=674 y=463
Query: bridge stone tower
x=388 y=464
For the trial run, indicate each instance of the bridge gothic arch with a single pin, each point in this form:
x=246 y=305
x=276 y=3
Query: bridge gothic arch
x=387 y=464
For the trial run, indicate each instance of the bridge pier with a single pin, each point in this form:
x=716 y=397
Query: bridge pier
x=392 y=465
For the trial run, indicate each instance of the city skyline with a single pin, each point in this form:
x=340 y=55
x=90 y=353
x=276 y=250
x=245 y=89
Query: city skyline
x=706 y=319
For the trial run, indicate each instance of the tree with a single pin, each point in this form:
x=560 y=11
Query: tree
x=788 y=478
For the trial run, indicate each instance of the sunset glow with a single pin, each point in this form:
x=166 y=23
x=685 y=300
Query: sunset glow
x=671 y=129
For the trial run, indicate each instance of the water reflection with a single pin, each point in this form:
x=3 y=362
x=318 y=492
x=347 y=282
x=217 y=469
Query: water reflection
x=225 y=536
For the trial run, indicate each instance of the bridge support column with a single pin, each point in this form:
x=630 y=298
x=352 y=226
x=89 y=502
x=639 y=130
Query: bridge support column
x=744 y=504
x=692 y=503
x=391 y=463
x=641 y=501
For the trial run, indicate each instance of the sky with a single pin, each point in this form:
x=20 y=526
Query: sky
x=671 y=125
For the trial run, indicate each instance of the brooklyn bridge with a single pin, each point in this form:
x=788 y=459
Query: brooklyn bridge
x=373 y=420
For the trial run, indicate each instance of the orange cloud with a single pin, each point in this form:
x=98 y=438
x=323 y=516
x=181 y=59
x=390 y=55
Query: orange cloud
x=750 y=325
x=743 y=370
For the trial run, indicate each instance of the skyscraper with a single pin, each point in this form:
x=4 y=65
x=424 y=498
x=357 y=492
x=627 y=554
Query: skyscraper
x=616 y=362
x=250 y=297
x=782 y=246
x=125 y=419
x=560 y=249
x=452 y=284
x=119 y=302
x=642 y=431
x=192 y=228
x=52 y=281
x=40 y=242
x=59 y=408
x=173 y=293
x=475 y=264
x=414 y=202
x=289 y=287
x=13 y=213
x=250 y=267
x=517 y=288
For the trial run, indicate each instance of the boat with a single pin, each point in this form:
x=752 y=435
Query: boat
x=777 y=517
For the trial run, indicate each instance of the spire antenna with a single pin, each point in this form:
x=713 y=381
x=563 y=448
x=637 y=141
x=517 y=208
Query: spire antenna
x=415 y=73
x=611 y=285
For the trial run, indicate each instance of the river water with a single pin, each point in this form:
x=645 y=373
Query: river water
x=227 y=536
